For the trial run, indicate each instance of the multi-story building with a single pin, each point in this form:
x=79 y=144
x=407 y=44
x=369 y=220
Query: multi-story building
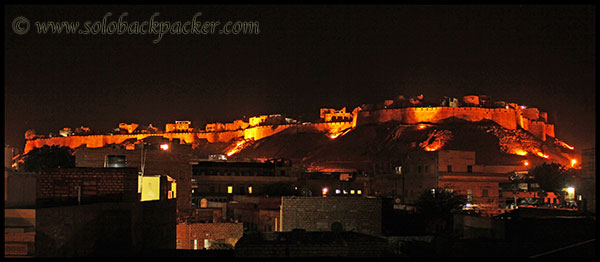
x=9 y=153
x=74 y=212
x=451 y=169
x=173 y=160
x=219 y=179
x=585 y=182
x=19 y=214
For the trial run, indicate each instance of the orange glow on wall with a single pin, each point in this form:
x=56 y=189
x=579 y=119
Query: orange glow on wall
x=540 y=154
x=526 y=163
x=238 y=147
x=432 y=148
x=565 y=145
x=421 y=126
x=436 y=140
x=573 y=162
x=520 y=152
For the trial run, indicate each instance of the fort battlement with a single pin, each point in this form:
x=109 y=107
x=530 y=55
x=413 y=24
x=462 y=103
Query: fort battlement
x=511 y=118
x=254 y=133
x=336 y=122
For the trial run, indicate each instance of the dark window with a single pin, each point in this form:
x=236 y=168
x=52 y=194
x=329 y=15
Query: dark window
x=420 y=169
x=449 y=168
x=470 y=169
x=115 y=161
x=484 y=192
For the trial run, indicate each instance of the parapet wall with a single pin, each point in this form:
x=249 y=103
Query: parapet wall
x=255 y=133
x=510 y=118
x=412 y=115
x=529 y=119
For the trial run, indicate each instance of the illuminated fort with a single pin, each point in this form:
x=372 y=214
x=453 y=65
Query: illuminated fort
x=334 y=123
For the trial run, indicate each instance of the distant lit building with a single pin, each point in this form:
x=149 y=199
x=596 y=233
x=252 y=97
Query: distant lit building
x=179 y=126
x=332 y=115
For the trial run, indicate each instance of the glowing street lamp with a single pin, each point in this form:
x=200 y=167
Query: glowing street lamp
x=164 y=147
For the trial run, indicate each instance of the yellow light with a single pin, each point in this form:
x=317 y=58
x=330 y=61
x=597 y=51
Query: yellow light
x=229 y=189
x=421 y=126
x=520 y=152
x=571 y=190
x=430 y=149
x=149 y=187
x=249 y=190
x=526 y=163
x=359 y=191
x=573 y=162
x=164 y=147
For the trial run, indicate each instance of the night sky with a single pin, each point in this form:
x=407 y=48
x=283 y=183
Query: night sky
x=304 y=58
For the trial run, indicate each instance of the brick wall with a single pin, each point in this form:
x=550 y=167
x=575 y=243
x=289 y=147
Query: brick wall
x=229 y=233
x=361 y=215
x=60 y=184
x=174 y=163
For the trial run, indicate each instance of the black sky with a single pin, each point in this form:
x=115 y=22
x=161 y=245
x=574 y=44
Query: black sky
x=304 y=58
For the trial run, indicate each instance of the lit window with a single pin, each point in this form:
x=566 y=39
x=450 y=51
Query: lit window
x=250 y=190
x=345 y=192
x=352 y=191
x=337 y=191
x=229 y=189
x=325 y=191
x=359 y=191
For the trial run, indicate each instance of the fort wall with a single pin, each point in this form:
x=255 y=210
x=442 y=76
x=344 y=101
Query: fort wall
x=256 y=133
x=528 y=119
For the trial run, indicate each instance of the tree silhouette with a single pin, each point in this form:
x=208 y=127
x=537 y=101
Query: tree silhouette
x=48 y=157
x=435 y=207
x=551 y=177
